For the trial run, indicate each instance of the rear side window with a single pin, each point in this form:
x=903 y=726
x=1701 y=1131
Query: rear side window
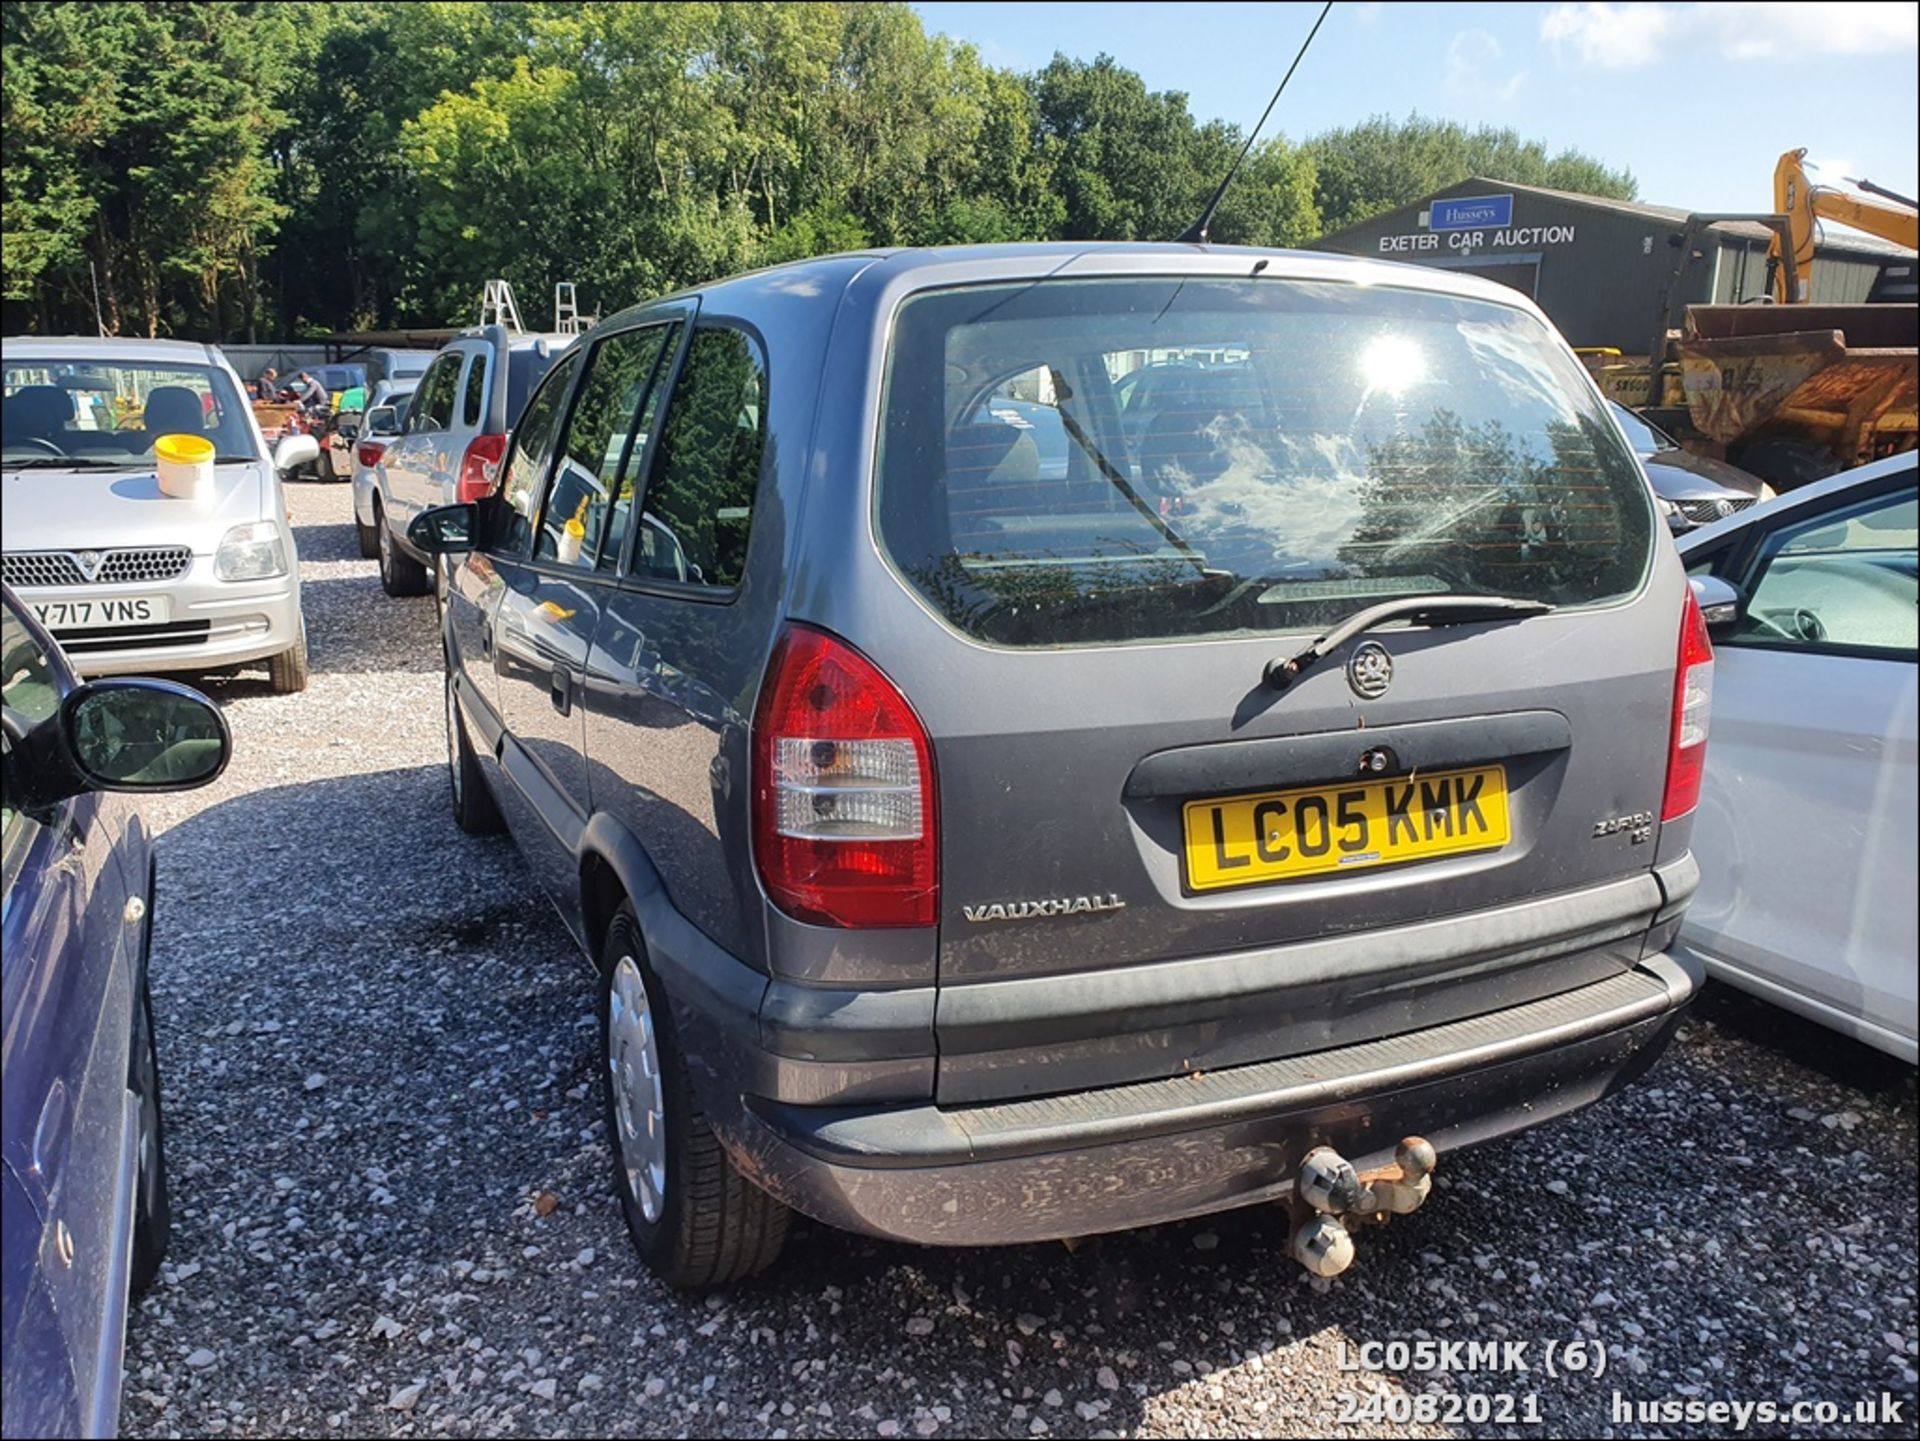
x=700 y=497
x=474 y=404
x=596 y=460
x=433 y=402
x=525 y=367
x=528 y=457
x=1100 y=461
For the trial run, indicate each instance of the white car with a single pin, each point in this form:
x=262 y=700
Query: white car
x=127 y=578
x=450 y=444
x=386 y=413
x=1806 y=826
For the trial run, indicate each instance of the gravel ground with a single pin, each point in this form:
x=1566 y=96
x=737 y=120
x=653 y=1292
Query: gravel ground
x=393 y=1215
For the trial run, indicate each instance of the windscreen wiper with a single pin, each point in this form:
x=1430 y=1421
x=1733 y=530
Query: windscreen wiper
x=1415 y=609
x=62 y=462
x=1064 y=392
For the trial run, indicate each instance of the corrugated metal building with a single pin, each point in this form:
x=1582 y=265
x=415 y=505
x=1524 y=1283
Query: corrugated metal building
x=1600 y=268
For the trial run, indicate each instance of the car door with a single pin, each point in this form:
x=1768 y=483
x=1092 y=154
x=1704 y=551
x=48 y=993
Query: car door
x=1805 y=831
x=528 y=604
x=415 y=466
x=666 y=735
x=552 y=600
x=69 y=956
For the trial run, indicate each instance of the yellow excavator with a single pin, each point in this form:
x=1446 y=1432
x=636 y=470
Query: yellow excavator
x=1791 y=391
x=1876 y=210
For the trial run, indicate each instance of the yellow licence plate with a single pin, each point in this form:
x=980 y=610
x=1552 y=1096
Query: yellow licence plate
x=1244 y=840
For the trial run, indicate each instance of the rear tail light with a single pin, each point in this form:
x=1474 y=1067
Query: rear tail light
x=480 y=467
x=368 y=452
x=844 y=824
x=1692 y=703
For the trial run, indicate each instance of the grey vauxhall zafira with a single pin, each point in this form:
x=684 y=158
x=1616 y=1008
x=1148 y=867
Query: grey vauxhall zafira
x=1041 y=740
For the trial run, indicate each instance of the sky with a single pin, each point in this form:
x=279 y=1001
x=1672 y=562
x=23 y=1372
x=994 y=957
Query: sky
x=1698 y=101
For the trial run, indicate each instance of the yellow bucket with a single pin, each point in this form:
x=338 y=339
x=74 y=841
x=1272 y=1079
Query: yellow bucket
x=184 y=464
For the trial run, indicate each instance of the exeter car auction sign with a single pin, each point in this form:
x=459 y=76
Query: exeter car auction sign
x=1469 y=223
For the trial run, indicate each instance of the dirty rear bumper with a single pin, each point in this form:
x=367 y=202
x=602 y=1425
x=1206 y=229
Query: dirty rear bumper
x=1135 y=1155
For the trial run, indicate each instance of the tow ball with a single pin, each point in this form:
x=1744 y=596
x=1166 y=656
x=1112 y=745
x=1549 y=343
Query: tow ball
x=1331 y=1200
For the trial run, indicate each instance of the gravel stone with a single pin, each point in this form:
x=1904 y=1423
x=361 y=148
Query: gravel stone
x=318 y=913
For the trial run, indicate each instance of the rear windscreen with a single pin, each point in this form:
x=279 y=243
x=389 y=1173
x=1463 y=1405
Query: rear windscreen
x=1092 y=461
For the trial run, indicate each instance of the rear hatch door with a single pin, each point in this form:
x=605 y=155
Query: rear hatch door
x=1152 y=860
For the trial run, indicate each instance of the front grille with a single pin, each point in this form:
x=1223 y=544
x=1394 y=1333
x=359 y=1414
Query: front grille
x=41 y=568
x=138 y=564
x=1705 y=512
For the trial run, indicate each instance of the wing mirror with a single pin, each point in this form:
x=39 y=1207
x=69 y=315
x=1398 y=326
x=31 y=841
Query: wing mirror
x=119 y=735
x=445 y=529
x=1721 y=604
x=294 y=451
x=381 y=420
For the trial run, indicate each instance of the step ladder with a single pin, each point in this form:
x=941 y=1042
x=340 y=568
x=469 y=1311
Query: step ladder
x=497 y=306
x=567 y=319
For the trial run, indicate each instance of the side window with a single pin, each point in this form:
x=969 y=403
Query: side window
x=433 y=403
x=30 y=690
x=474 y=405
x=700 y=497
x=597 y=454
x=612 y=552
x=1842 y=579
x=531 y=450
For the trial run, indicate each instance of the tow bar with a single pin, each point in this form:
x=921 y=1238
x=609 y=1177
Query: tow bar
x=1331 y=1200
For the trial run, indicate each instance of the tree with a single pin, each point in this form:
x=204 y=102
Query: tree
x=227 y=168
x=135 y=157
x=1365 y=169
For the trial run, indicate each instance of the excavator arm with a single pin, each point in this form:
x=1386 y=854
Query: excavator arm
x=1805 y=204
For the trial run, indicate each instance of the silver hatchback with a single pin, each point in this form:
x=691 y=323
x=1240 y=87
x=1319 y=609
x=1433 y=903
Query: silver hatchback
x=127 y=577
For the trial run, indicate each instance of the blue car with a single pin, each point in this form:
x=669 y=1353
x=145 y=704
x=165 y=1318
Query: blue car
x=83 y=1222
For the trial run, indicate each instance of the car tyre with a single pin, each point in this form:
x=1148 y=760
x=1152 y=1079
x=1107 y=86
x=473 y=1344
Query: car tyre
x=400 y=573
x=697 y=1222
x=474 y=809
x=369 y=539
x=152 y=1215
x=287 y=672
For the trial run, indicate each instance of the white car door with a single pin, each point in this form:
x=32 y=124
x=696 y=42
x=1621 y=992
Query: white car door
x=1806 y=828
x=414 y=466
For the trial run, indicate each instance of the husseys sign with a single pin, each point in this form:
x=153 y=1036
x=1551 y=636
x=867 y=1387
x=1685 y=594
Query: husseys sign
x=1470 y=223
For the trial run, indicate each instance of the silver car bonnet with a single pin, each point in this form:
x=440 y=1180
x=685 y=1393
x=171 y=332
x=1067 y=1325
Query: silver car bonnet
x=105 y=509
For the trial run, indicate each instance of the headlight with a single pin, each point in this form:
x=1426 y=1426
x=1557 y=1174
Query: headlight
x=251 y=552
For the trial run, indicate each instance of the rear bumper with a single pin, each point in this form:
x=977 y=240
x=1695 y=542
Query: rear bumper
x=1161 y=1151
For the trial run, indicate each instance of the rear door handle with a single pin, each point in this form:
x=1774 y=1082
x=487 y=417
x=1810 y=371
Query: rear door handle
x=561 y=682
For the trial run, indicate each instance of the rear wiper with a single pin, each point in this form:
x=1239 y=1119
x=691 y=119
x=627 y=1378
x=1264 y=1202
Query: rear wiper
x=1064 y=392
x=1417 y=609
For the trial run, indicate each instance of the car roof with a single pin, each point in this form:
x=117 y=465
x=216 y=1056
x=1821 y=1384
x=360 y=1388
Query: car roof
x=114 y=348
x=828 y=275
